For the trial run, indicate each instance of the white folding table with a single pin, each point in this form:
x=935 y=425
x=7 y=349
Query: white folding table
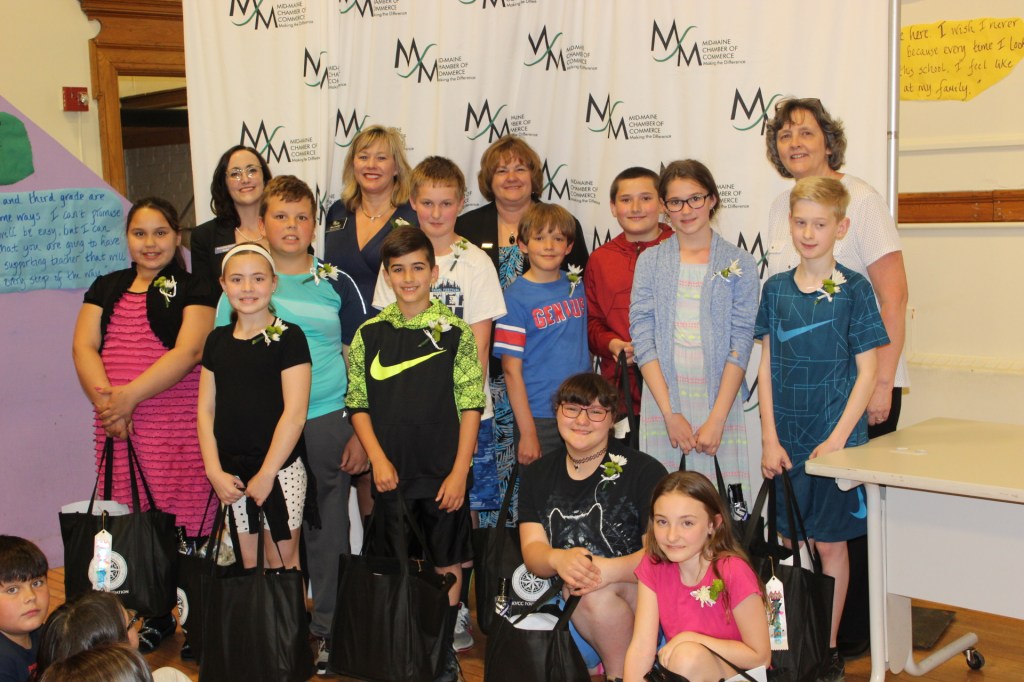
x=945 y=506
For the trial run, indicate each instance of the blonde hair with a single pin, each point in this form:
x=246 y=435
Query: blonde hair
x=352 y=194
x=828 y=192
x=437 y=171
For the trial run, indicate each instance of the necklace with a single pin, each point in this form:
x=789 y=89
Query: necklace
x=590 y=458
x=246 y=237
x=512 y=239
x=374 y=217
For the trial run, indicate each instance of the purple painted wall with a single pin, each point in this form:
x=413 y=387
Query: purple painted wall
x=46 y=443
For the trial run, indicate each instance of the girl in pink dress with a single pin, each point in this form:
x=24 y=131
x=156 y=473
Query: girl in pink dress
x=137 y=343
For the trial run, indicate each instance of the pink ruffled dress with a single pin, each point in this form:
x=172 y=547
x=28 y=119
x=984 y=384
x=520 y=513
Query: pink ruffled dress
x=165 y=425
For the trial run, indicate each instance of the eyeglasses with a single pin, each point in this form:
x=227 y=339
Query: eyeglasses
x=594 y=414
x=134 y=618
x=249 y=172
x=695 y=202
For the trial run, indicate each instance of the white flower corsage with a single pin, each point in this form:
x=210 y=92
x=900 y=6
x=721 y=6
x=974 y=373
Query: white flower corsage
x=708 y=594
x=733 y=270
x=459 y=247
x=434 y=330
x=322 y=270
x=273 y=331
x=168 y=288
x=613 y=467
x=575 y=275
x=400 y=222
x=830 y=286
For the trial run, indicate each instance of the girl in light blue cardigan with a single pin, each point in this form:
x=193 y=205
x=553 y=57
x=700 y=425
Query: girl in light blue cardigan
x=691 y=315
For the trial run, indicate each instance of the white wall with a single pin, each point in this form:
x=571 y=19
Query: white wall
x=44 y=46
x=966 y=319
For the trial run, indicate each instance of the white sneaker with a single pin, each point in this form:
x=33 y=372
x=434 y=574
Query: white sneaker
x=463 y=637
x=323 y=653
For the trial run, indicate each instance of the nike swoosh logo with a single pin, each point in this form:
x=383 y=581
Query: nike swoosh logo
x=381 y=372
x=862 y=510
x=786 y=335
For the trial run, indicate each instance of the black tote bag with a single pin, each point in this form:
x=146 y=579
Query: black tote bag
x=144 y=555
x=808 y=591
x=498 y=554
x=255 y=626
x=515 y=655
x=392 y=614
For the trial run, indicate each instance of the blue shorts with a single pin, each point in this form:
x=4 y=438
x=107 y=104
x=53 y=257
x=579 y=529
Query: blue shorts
x=830 y=514
x=484 y=495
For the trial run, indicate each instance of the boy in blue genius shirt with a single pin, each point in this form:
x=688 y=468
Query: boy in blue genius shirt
x=24 y=603
x=819 y=327
x=415 y=393
x=542 y=340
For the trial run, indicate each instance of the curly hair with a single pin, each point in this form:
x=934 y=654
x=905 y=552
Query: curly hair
x=832 y=128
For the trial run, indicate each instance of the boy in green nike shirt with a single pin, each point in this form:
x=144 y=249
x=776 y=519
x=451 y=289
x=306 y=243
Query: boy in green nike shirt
x=415 y=393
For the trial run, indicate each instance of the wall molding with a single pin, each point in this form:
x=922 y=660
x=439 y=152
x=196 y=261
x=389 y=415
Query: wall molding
x=990 y=206
x=967 y=363
x=924 y=145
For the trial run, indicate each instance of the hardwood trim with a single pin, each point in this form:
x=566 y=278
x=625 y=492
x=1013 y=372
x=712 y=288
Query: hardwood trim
x=139 y=38
x=164 y=99
x=993 y=206
x=161 y=9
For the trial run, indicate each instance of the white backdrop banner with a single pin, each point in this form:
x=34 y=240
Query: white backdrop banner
x=595 y=86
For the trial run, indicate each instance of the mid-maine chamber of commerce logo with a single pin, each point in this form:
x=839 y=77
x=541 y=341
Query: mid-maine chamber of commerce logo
x=753 y=114
x=251 y=13
x=365 y=7
x=266 y=142
x=684 y=47
x=323 y=204
x=481 y=121
x=373 y=8
x=412 y=61
x=671 y=44
x=317 y=72
x=267 y=14
x=756 y=249
x=607 y=117
x=553 y=185
x=548 y=52
x=346 y=129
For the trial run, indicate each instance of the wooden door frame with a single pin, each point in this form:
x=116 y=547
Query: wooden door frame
x=138 y=38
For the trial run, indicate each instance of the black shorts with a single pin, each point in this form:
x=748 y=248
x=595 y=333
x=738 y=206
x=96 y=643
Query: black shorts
x=446 y=533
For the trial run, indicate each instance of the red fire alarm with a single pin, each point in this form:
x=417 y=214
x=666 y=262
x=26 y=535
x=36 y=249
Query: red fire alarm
x=76 y=99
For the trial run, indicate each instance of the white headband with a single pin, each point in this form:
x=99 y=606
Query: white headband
x=241 y=248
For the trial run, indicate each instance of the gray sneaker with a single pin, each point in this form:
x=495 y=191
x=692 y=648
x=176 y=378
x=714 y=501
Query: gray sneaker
x=463 y=639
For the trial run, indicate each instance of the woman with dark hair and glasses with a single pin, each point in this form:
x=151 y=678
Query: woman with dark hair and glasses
x=583 y=515
x=235 y=192
x=804 y=140
x=691 y=316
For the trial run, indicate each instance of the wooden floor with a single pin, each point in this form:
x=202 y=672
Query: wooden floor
x=1001 y=642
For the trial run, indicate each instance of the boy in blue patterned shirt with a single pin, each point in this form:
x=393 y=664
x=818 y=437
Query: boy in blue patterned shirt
x=819 y=327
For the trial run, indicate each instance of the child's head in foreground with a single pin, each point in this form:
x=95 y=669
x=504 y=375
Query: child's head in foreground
x=410 y=268
x=24 y=595
x=546 y=235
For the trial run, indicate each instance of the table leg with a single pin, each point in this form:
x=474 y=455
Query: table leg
x=876 y=580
